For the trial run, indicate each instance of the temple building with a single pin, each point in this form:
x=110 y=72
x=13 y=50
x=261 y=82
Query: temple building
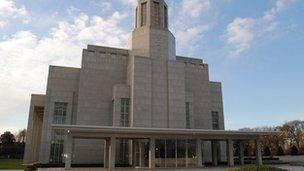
x=141 y=107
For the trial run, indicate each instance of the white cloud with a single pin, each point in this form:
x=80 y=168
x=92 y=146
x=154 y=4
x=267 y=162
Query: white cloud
x=239 y=35
x=25 y=58
x=188 y=37
x=192 y=21
x=241 y=32
x=9 y=10
x=279 y=6
x=2 y=24
x=195 y=8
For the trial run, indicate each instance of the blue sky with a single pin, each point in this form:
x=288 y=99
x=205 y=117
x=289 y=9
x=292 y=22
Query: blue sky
x=255 y=48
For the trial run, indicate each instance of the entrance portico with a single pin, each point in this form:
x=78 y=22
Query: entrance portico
x=184 y=140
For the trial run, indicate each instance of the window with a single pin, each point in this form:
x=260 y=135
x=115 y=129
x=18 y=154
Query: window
x=56 y=154
x=215 y=120
x=122 y=152
x=188 y=115
x=156 y=13
x=192 y=157
x=175 y=153
x=124 y=111
x=181 y=153
x=170 y=153
x=166 y=16
x=160 y=153
x=60 y=111
x=136 y=13
x=143 y=14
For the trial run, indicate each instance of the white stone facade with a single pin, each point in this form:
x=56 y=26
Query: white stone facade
x=158 y=83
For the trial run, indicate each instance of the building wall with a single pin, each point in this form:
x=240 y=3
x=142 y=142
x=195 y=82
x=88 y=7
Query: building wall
x=102 y=69
x=176 y=94
x=217 y=105
x=197 y=82
x=141 y=92
x=34 y=129
x=62 y=86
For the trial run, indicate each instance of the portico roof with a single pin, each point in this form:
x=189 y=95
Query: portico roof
x=88 y=131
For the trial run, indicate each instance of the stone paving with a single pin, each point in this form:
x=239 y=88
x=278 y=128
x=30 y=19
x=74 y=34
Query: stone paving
x=286 y=167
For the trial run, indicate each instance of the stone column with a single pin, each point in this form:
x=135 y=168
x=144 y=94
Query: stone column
x=199 y=153
x=230 y=153
x=214 y=153
x=152 y=153
x=258 y=152
x=68 y=150
x=112 y=152
x=241 y=153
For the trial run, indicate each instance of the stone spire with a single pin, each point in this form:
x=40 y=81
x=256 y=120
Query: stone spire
x=151 y=13
x=151 y=36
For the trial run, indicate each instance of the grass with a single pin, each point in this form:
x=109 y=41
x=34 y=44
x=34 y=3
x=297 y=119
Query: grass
x=11 y=164
x=256 y=168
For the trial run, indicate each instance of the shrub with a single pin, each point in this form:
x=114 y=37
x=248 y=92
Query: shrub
x=257 y=168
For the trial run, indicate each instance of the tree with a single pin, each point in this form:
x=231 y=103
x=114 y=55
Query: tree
x=7 y=138
x=290 y=138
x=7 y=144
x=20 y=137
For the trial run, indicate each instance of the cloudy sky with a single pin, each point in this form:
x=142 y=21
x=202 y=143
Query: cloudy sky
x=255 y=48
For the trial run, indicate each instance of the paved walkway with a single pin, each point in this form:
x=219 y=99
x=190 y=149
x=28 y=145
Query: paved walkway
x=101 y=169
x=286 y=167
x=291 y=168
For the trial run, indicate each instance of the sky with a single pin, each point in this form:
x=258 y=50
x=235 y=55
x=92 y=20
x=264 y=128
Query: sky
x=255 y=48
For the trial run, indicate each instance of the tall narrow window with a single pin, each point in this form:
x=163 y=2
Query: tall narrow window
x=136 y=13
x=166 y=17
x=60 y=111
x=57 y=147
x=124 y=111
x=143 y=14
x=188 y=115
x=156 y=17
x=215 y=120
x=122 y=152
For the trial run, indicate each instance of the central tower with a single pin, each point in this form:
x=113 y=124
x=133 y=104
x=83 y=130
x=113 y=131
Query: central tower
x=154 y=74
x=151 y=36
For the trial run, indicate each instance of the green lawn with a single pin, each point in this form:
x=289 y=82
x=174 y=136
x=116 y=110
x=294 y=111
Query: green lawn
x=11 y=164
x=255 y=168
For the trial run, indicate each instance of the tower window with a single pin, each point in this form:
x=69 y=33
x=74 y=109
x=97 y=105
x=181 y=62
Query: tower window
x=215 y=120
x=143 y=14
x=156 y=13
x=124 y=111
x=166 y=17
x=188 y=115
